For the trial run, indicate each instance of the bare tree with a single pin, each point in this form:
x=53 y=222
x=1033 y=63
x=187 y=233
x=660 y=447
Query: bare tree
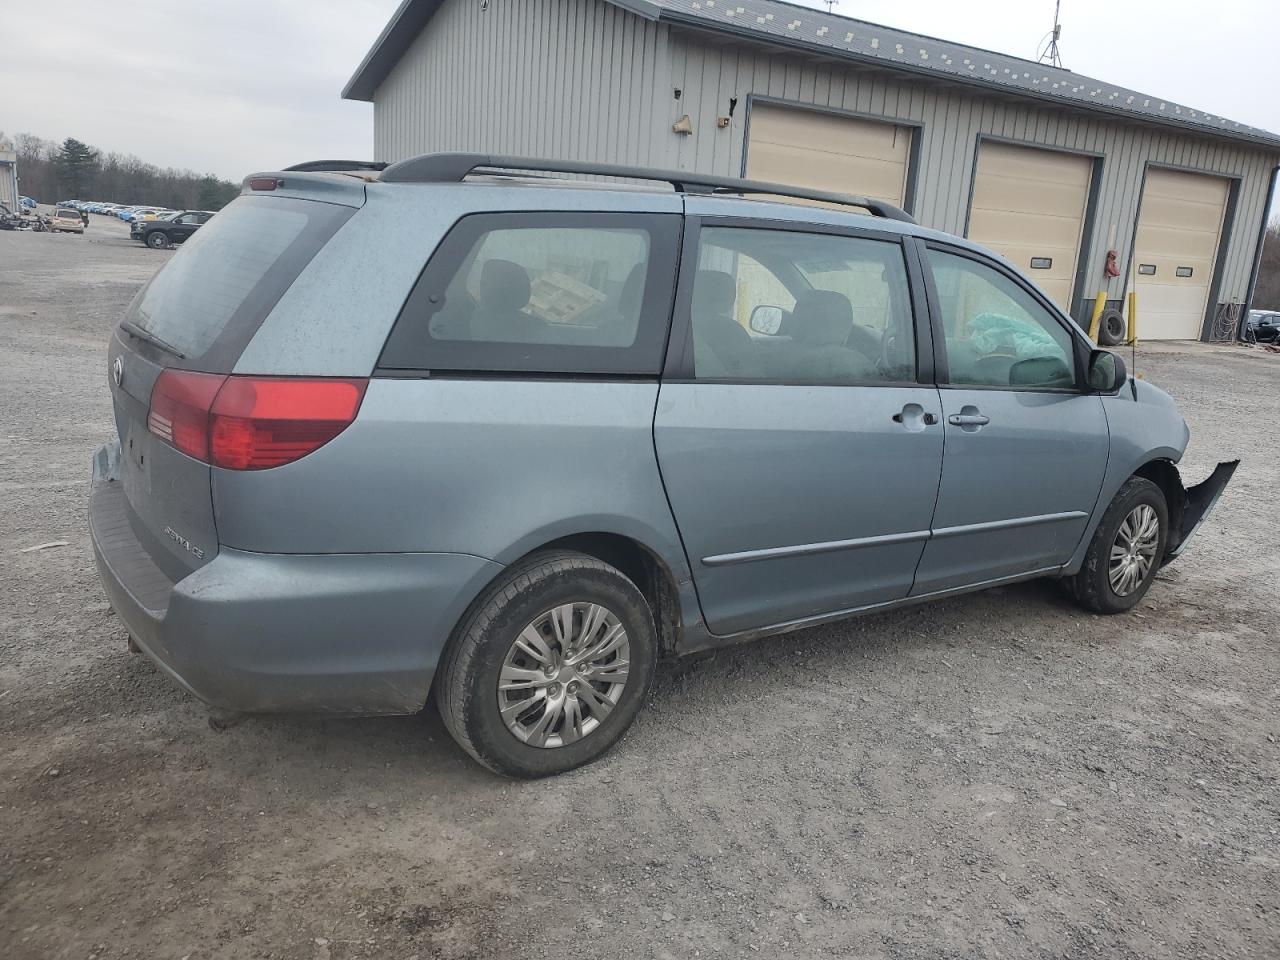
x=112 y=177
x=1266 y=296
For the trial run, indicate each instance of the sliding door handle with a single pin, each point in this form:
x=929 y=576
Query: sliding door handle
x=914 y=417
x=968 y=420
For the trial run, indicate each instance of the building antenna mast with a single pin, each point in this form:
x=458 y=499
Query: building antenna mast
x=1049 y=52
x=831 y=5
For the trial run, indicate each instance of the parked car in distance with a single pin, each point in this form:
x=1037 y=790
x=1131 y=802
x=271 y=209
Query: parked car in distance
x=159 y=234
x=66 y=219
x=507 y=441
x=1263 y=326
x=27 y=202
x=136 y=225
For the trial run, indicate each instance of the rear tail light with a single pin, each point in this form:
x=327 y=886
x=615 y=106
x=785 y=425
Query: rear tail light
x=251 y=423
x=179 y=413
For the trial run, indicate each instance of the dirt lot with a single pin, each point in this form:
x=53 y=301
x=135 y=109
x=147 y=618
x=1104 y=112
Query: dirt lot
x=994 y=776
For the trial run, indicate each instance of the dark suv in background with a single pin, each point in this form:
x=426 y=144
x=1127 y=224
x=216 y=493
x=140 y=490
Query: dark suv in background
x=176 y=228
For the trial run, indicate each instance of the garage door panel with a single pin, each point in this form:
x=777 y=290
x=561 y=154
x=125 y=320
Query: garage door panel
x=1180 y=186
x=1053 y=199
x=1165 y=213
x=1035 y=233
x=1029 y=163
x=828 y=152
x=1030 y=203
x=1175 y=244
x=1179 y=225
x=826 y=171
x=841 y=135
x=1165 y=325
x=1166 y=297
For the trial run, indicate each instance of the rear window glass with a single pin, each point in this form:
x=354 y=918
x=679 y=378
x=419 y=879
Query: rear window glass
x=542 y=293
x=211 y=297
x=73 y=214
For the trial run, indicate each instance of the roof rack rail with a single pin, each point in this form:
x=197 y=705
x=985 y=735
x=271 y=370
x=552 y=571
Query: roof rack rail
x=320 y=166
x=455 y=167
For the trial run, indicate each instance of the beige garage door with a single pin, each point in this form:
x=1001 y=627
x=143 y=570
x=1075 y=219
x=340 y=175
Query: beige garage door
x=1029 y=206
x=1178 y=232
x=823 y=151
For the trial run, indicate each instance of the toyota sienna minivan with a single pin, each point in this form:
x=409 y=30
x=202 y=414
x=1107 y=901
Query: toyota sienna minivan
x=453 y=429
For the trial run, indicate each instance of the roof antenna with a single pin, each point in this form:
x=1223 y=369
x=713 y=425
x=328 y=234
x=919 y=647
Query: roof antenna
x=831 y=5
x=1049 y=52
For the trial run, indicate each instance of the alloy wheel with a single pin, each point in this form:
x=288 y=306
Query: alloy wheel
x=563 y=674
x=1133 y=552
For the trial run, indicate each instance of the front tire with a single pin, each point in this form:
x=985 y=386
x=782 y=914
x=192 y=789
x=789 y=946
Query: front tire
x=1125 y=551
x=157 y=240
x=550 y=666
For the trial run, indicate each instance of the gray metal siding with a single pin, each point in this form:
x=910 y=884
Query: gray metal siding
x=583 y=79
x=572 y=79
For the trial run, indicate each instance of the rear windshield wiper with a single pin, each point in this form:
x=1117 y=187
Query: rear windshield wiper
x=131 y=328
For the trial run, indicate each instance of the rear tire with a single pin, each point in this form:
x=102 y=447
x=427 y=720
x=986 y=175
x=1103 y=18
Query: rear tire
x=518 y=687
x=157 y=240
x=1125 y=551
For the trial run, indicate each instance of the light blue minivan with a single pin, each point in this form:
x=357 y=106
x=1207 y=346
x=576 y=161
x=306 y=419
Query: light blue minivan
x=454 y=428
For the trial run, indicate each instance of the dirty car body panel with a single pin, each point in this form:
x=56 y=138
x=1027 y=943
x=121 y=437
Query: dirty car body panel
x=331 y=581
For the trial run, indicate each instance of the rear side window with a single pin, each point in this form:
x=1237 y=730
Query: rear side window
x=582 y=293
x=211 y=297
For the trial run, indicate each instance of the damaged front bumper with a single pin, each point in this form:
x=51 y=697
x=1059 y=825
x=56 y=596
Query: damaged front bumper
x=1197 y=503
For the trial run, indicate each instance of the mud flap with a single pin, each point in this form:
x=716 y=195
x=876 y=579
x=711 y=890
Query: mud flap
x=1197 y=504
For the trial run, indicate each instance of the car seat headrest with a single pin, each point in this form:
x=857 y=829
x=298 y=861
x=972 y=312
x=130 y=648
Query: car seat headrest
x=822 y=317
x=503 y=285
x=714 y=293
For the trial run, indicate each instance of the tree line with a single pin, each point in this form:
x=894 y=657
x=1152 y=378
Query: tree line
x=73 y=170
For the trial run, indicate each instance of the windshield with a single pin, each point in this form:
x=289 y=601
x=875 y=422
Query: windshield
x=210 y=298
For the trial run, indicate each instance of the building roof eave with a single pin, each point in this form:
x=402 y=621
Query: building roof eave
x=776 y=23
x=404 y=27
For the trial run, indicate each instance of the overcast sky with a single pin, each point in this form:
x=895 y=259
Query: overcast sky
x=232 y=86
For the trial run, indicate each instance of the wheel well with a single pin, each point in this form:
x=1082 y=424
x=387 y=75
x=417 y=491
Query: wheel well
x=642 y=567
x=1165 y=476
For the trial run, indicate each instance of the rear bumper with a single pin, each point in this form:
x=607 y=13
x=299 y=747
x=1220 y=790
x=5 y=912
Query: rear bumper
x=345 y=634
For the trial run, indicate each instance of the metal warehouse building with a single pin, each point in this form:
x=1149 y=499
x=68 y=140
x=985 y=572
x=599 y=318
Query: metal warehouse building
x=1049 y=168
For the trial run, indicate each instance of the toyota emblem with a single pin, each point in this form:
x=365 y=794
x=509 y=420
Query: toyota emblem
x=117 y=371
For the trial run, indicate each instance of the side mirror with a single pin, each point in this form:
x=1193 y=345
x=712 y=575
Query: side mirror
x=1107 y=372
x=766 y=320
x=1041 y=372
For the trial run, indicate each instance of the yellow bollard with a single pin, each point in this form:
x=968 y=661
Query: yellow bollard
x=1098 y=306
x=1133 y=316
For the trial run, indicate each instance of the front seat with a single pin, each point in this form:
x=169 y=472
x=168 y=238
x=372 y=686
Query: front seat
x=820 y=326
x=504 y=292
x=721 y=345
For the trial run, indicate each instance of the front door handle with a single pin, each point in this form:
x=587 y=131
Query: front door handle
x=969 y=419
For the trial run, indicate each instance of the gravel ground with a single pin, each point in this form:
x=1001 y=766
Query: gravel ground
x=999 y=775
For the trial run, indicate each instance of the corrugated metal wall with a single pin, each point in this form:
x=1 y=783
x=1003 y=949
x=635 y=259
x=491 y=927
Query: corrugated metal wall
x=585 y=80
x=572 y=79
